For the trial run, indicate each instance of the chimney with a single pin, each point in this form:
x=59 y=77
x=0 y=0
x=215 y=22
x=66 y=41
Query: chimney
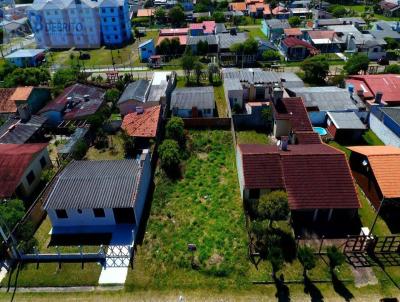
x=360 y=93
x=86 y=98
x=378 y=97
x=283 y=145
x=24 y=112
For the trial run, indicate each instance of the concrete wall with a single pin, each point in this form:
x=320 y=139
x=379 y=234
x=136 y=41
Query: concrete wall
x=187 y=113
x=86 y=218
x=143 y=189
x=383 y=132
x=281 y=128
x=24 y=187
x=239 y=166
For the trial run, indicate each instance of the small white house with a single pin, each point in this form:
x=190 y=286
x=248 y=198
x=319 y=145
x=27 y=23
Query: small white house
x=234 y=92
x=91 y=194
x=193 y=102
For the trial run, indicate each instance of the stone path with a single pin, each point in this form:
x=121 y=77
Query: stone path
x=364 y=276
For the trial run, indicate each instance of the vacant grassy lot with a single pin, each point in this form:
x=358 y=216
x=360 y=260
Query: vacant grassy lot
x=114 y=151
x=252 y=137
x=127 y=55
x=360 y=9
x=203 y=207
x=255 y=32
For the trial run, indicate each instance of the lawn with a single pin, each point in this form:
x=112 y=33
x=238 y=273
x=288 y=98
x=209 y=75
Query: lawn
x=255 y=33
x=360 y=9
x=200 y=209
x=114 y=151
x=127 y=55
x=252 y=137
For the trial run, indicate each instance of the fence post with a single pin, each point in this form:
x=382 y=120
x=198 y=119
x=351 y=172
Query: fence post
x=320 y=246
x=297 y=242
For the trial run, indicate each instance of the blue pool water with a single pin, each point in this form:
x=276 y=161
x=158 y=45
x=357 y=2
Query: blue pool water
x=321 y=131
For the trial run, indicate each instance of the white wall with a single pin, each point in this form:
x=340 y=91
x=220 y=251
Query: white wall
x=384 y=133
x=86 y=218
x=143 y=188
x=236 y=94
x=35 y=166
x=239 y=166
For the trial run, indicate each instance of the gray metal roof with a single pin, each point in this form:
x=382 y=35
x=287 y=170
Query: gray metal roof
x=96 y=184
x=25 y=53
x=14 y=131
x=232 y=84
x=277 y=23
x=187 y=98
x=226 y=40
x=292 y=80
x=346 y=120
x=211 y=39
x=220 y=28
x=329 y=98
x=341 y=21
x=392 y=112
x=135 y=91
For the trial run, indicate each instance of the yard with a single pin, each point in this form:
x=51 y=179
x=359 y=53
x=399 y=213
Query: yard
x=103 y=57
x=252 y=137
x=115 y=150
x=254 y=32
x=360 y=9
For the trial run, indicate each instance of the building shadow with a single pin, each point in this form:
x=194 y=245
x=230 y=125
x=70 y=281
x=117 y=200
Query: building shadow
x=340 y=288
x=312 y=290
x=145 y=215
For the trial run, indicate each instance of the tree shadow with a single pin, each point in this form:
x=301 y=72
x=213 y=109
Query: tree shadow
x=282 y=291
x=312 y=290
x=340 y=288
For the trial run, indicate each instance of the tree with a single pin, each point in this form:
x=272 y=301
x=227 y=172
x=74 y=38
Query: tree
x=212 y=70
x=64 y=77
x=164 y=48
x=202 y=48
x=250 y=46
x=337 y=11
x=267 y=116
x=335 y=256
x=31 y=76
x=198 y=68
x=159 y=14
x=294 y=21
x=175 y=129
x=176 y=15
x=187 y=62
x=275 y=257
x=356 y=63
x=80 y=149
x=169 y=155
x=6 y=68
x=218 y=16
x=11 y=212
x=315 y=69
x=391 y=43
x=273 y=206
x=307 y=259
x=148 y=4
x=393 y=68
x=271 y=55
x=112 y=95
x=175 y=45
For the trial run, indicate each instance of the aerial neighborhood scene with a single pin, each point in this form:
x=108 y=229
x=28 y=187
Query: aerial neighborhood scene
x=200 y=150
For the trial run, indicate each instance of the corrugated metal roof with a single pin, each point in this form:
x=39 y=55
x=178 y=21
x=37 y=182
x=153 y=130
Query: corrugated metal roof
x=346 y=120
x=25 y=53
x=392 y=112
x=135 y=91
x=210 y=39
x=14 y=131
x=232 y=84
x=96 y=184
x=226 y=40
x=187 y=98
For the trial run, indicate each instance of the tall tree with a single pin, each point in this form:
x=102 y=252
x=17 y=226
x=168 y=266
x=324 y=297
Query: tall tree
x=315 y=69
x=307 y=259
x=356 y=63
x=198 y=68
x=159 y=14
x=175 y=129
x=273 y=206
x=187 y=62
x=176 y=15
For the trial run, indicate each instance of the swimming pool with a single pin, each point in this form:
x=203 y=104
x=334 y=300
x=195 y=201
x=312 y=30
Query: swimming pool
x=321 y=131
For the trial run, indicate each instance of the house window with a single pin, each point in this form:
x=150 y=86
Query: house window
x=61 y=214
x=143 y=49
x=43 y=162
x=30 y=177
x=254 y=193
x=207 y=111
x=79 y=211
x=99 y=213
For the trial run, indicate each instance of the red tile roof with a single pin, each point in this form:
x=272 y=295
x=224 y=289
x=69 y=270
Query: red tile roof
x=237 y=6
x=321 y=34
x=207 y=26
x=81 y=108
x=292 y=31
x=308 y=138
x=22 y=93
x=293 y=109
x=279 y=10
x=315 y=176
x=6 y=104
x=174 y=31
x=145 y=12
x=295 y=42
x=144 y=124
x=388 y=84
x=14 y=160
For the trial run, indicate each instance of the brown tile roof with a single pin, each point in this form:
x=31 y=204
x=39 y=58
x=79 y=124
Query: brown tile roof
x=292 y=31
x=308 y=138
x=237 y=6
x=22 y=93
x=6 y=104
x=385 y=164
x=315 y=176
x=144 y=124
x=293 y=109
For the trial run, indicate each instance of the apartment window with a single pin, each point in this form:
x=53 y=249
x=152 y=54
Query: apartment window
x=116 y=37
x=108 y=37
x=103 y=10
x=79 y=211
x=112 y=10
x=254 y=193
x=120 y=8
x=105 y=19
x=56 y=12
x=62 y=214
x=113 y=19
x=43 y=162
x=48 y=13
x=30 y=177
x=72 y=11
x=115 y=28
x=208 y=111
x=99 y=213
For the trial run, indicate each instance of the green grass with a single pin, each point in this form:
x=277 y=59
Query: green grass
x=371 y=139
x=220 y=101
x=340 y=147
x=126 y=55
x=252 y=137
x=114 y=151
x=367 y=215
x=198 y=208
x=360 y=9
x=254 y=33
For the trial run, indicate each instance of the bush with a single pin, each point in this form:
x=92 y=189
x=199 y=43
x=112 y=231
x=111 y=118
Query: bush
x=335 y=256
x=273 y=206
x=31 y=76
x=393 y=68
x=294 y=21
x=356 y=63
x=306 y=257
x=169 y=155
x=11 y=212
x=175 y=129
x=65 y=77
x=80 y=149
x=271 y=55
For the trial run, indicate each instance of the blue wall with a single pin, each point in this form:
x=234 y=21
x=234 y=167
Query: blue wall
x=146 y=51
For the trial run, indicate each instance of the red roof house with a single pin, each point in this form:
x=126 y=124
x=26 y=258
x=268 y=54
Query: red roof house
x=205 y=27
x=142 y=124
x=237 y=6
x=366 y=86
x=20 y=167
